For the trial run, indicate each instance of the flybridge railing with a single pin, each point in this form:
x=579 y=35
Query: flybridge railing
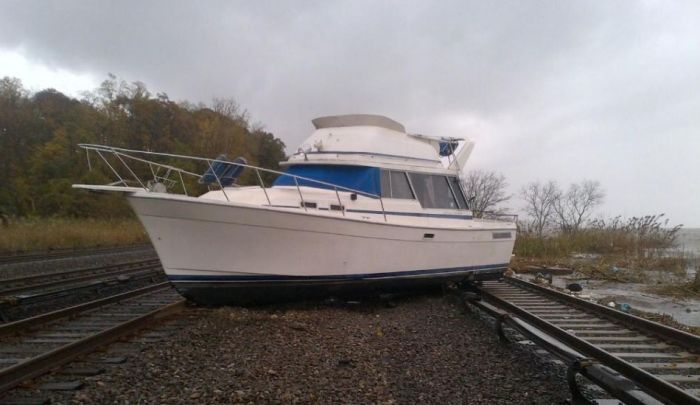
x=123 y=156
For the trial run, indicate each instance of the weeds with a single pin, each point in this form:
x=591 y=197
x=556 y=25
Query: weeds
x=682 y=290
x=638 y=250
x=646 y=236
x=54 y=233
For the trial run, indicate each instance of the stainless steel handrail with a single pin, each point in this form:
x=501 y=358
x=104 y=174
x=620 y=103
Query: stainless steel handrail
x=121 y=153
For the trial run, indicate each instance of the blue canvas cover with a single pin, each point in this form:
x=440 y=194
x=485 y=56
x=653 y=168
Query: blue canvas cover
x=360 y=178
x=227 y=173
x=448 y=148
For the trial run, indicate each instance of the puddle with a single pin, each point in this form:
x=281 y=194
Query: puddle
x=685 y=311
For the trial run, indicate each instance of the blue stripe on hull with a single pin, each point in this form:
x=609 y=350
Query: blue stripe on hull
x=367 y=276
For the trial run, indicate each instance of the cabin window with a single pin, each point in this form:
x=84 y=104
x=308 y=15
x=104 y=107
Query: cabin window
x=456 y=187
x=386 y=184
x=395 y=185
x=433 y=191
x=399 y=186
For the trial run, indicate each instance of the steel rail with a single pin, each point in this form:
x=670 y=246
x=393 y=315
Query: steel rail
x=64 y=253
x=27 y=323
x=677 y=336
x=59 y=274
x=50 y=295
x=153 y=264
x=653 y=385
x=620 y=387
x=37 y=365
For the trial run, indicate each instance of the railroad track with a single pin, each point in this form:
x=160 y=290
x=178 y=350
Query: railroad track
x=635 y=360
x=47 y=281
x=64 y=253
x=31 y=347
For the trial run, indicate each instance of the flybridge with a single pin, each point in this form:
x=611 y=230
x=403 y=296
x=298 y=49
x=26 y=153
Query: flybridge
x=355 y=120
x=375 y=140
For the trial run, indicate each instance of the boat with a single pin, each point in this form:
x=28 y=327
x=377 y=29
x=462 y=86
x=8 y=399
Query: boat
x=362 y=206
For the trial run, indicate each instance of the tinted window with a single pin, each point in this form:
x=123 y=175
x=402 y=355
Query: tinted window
x=395 y=185
x=399 y=186
x=433 y=191
x=386 y=184
x=454 y=181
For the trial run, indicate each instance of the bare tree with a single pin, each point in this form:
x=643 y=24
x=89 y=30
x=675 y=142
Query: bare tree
x=575 y=206
x=485 y=190
x=540 y=199
x=230 y=108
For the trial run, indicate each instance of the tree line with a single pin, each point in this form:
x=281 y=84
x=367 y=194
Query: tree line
x=547 y=205
x=39 y=134
x=554 y=211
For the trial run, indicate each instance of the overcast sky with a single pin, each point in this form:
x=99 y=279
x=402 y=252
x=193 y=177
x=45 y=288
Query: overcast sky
x=563 y=90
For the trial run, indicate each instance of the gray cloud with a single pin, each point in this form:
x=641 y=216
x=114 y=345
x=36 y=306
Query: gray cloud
x=563 y=90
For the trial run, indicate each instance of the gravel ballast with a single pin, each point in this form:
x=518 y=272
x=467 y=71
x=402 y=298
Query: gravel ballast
x=424 y=349
x=12 y=310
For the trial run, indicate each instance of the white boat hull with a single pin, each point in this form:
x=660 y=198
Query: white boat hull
x=225 y=253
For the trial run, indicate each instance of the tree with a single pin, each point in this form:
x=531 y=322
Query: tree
x=12 y=91
x=230 y=108
x=268 y=151
x=18 y=126
x=540 y=199
x=485 y=190
x=575 y=206
x=39 y=159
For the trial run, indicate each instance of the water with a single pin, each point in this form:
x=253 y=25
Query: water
x=685 y=311
x=689 y=240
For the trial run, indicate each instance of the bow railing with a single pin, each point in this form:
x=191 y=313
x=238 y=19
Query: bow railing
x=163 y=173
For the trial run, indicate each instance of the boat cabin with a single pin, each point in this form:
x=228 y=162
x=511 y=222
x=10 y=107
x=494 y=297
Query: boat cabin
x=375 y=156
x=431 y=190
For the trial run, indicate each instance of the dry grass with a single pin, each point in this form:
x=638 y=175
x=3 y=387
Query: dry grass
x=52 y=233
x=586 y=241
x=638 y=244
x=641 y=237
x=639 y=250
